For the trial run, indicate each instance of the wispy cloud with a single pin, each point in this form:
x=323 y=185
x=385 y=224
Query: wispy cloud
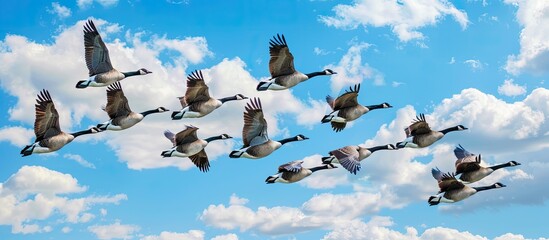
x=79 y=159
x=60 y=11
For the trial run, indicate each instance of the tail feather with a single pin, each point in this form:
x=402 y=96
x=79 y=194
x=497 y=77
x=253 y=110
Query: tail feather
x=327 y=160
x=175 y=115
x=326 y=119
x=433 y=200
x=236 y=154
x=26 y=151
x=80 y=84
x=271 y=179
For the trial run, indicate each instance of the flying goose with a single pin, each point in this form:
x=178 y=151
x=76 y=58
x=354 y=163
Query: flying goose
x=293 y=171
x=187 y=144
x=49 y=136
x=119 y=110
x=346 y=108
x=454 y=190
x=99 y=65
x=468 y=165
x=197 y=101
x=281 y=67
x=254 y=134
x=422 y=135
x=350 y=156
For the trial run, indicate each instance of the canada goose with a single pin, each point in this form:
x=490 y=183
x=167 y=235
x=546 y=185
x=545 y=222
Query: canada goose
x=350 y=156
x=454 y=190
x=422 y=135
x=346 y=108
x=49 y=136
x=99 y=65
x=254 y=134
x=281 y=67
x=187 y=144
x=119 y=110
x=468 y=165
x=197 y=101
x=293 y=172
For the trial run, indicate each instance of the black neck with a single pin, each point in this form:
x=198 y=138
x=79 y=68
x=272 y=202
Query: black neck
x=373 y=149
x=226 y=99
x=484 y=188
x=129 y=74
x=372 y=107
x=213 y=138
x=145 y=113
x=447 y=130
x=496 y=167
x=314 y=169
x=314 y=74
x=76 y=134
x=287 y=140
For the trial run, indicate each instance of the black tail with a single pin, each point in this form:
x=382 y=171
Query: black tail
x=433 y=202
x=27 y=151
x=270 y=179
x=326 y=160
x=176 y=117
x=235 y=154
x=79 y=84
x=325 y=119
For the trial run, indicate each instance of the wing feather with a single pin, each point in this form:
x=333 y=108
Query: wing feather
x=95 y=51
x=197 y=90
x=282 y=60
x=255 y=126
x=46 y=123
x=187 y=135
x=201 y=161
x=348 y=99
x=419 y=126
x=294 y=166
x=117 y=103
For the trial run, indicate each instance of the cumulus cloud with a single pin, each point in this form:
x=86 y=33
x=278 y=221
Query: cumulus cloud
x=405 y=18
x=31 y=194
x=190 y=235
x=510 y=89
x=534 y=38
x=230 y=236
x=17 y=136
x=350 y=69
x=59 y=10
x=114 y=231
x=83 y=4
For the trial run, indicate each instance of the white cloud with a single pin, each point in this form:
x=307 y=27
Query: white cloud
x=510 y=89
x=190 y=235
x=83 y=4
x=230 y=236
x=59 y=10
x=103 y=212
x=66 y=230
x=404 y=17
x=350 y=69
x=79 y=159
x=452 y=61
x=114 y=231
x=324 y=179
x=31 y=194
x=321 y=52
x=17 y=136
x=534 y=38
x=235 y=200
x=474 y=64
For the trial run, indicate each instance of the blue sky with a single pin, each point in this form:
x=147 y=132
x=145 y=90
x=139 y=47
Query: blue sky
x=479 y=63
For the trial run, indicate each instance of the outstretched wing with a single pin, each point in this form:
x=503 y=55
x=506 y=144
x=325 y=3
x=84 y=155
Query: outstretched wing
x=330 y=100
x=117 y=103
x=197 y=90
x=294 y=166
x=188 y=135
x=201 y=161
x=255 y=126
x=95 y=51
x=46 y=123
x=446 y=181
x=419 y=126
x=338 y=126
x=348 y=99
x=348 y=157
x=170 y=136
x=282 y=60
x=467 y=162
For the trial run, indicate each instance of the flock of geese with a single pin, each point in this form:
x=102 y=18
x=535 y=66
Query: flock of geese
x=197 y=103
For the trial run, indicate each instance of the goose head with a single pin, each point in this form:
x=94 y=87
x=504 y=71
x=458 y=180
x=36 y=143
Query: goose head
x=461 y=127
x=329 y=72
x=513 y=163
x=498 y=185
x=240 y=97
x=300 y=137
x=386 y=105
x=225 y=136
x=143 y=71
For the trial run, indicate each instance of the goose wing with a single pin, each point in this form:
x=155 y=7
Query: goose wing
x=282 y=60
x=46 y=123
x=170 y=136
x=117 y=103
x=466 y=162
x=419 y=126
x=200 y=160
x=294 y=166
x=188 y=135
x=96 y=52
x=197 y=90
x=330 y=100
x=255 y=126
x=338 y=126
x=348 y=157
x=446 y=181
x=348 y=99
